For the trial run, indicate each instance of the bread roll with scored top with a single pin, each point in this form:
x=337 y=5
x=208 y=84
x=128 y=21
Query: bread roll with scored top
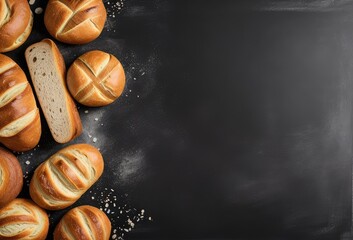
x=20 y=127
x=47 y=68
x=75 y=21
x=11 y=177
x=22 y=219
x=83 y=223
x=16 y=21
x=61 y=180
x=96 y=79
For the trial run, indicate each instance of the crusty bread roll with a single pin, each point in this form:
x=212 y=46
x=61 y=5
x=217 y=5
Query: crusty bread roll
x=22 y=219
x=47 y=68
x=20 y=127
x=16 y=21
x=96 y=79
x=75 y=22
x=61 y=180
x=11 y=177
x=83 y=223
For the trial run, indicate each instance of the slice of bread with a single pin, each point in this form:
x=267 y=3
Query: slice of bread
x=47 y=69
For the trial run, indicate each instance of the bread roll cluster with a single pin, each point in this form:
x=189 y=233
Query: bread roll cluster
x=95 y=79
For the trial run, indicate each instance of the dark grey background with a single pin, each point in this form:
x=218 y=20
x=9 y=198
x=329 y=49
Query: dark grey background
x=239 y=122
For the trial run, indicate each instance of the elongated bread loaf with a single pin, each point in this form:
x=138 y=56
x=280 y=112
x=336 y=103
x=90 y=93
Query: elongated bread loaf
x=21 y=219
x=11 y=177
x=96 y=79
x=83 y=223
x=47 y=68
x=20 y=127
x=16 y=21
x=75 y=21
x=61 y=180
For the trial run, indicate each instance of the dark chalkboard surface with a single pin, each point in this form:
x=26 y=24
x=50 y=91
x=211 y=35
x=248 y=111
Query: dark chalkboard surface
x=236 y=121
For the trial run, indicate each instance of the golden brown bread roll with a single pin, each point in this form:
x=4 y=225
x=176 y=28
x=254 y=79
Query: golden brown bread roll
x=20 y=127
x=83 y=223
x=16 y=22
x=61 y=180
x=96 y=79
x=75 y=21
x=22 y=219
x=11 y=177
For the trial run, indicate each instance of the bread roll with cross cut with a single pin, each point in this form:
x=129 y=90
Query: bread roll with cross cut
x=83 y=223
x=75 y=21
x=16 y=21
x=21 y=219
x=96 y=79
x=61 y=180
x=20 y=127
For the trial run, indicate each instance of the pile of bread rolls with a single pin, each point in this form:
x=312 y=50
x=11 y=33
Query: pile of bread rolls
x=94 y=79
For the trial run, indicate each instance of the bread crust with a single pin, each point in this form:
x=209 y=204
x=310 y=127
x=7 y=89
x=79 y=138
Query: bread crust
x=61 y=180
x=83 y=222
x=17 y=106
x=19 y=214
x=16 y=21
x=96 y=79
x=75 y=21
x=11 y=177
x=75 y=120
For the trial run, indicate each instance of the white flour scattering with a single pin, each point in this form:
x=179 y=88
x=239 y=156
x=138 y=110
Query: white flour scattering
x=123 y=217
x=114 y=8
x=25 y=158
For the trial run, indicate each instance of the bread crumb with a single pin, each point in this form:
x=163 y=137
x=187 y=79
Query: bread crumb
x=31 y=2
x=38 y=10
x=28 y=162
x=94 y=139
x=95 y=119
x=86 y=111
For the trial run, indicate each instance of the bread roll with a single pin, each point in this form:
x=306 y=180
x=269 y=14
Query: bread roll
x=83 y=223
x=16 y=21
x=75 y=22
x=22 y=219
x=47 y=68
x=11 y=177
x=96 y=79
x=20 y=127
x=61 y=180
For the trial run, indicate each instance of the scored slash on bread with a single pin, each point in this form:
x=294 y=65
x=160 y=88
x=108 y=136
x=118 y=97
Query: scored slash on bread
x=47 y=69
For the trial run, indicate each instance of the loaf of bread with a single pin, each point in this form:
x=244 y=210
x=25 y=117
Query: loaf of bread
x=22 y=219
x=83 y=223
x=47 y=69
x=20 y=127
x=16 y=21
x=96 y=79
x=61 y=180
x=75 y=22
x=11 y=177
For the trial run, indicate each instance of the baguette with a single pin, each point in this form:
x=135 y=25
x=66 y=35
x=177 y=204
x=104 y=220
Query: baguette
x=21 y=219
x=61 y=180
x=47 y=69
x=11 y=177
x=83 y=223
x=20 y=127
